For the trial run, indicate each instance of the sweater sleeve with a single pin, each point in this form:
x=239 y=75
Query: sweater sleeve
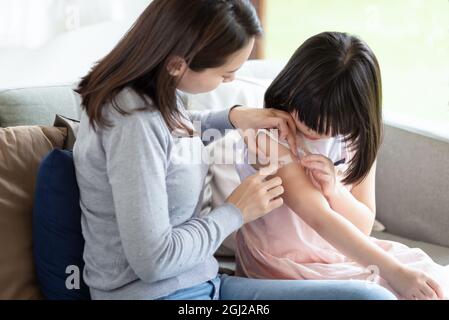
x=137 y=152
x=210 y=121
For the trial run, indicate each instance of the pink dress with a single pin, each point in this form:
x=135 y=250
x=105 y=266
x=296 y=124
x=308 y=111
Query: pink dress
x=281 y=245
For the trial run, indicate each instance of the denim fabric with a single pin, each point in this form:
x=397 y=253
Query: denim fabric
x=225 y=287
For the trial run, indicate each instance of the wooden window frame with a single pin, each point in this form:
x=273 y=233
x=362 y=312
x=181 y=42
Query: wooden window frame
x=259 y=48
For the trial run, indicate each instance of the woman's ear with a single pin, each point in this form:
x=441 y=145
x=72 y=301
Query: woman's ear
x=176 y=66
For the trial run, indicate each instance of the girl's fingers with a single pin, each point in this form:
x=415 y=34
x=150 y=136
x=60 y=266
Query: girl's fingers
x=317 y=166
x=313 y=180
x=316 y=157
x=429 y=293
x=436 y=287
x=419 y=295
x=323 y=162
x=424 y=296
x=321 y=176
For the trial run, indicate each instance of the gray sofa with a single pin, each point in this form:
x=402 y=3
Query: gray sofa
x=412 y=178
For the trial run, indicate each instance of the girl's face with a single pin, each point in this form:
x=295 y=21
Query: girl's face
x=209 y=79
x=306 y=131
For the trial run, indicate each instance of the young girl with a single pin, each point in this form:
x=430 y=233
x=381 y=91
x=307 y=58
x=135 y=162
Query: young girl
x=332 y=87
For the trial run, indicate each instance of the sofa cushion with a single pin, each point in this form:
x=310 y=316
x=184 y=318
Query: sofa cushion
x=38 y=105
x=439 y=254
x=57 y=235
x=412 y=186
x=21 y=150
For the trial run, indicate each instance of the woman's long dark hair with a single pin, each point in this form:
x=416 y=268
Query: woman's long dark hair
x=333 y=84
x=203 y=32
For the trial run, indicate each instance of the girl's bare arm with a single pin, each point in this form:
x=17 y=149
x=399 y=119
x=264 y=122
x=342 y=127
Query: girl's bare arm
x=359 y=204
x=308 y=202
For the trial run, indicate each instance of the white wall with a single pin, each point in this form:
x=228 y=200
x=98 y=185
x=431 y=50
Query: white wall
x=45 y=42
x=32 y=23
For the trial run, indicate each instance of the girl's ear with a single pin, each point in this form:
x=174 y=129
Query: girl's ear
x=176 y=66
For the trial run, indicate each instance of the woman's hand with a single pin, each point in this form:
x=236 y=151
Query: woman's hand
x=413 y=284
x=257 y=195
x=322 y=173
x=253 y=118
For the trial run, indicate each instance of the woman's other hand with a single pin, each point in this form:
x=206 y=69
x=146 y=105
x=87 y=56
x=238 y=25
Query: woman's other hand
x=254 y=118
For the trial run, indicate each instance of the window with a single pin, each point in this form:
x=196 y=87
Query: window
x=409 y=37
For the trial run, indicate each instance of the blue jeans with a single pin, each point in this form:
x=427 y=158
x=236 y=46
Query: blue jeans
x=225 y=287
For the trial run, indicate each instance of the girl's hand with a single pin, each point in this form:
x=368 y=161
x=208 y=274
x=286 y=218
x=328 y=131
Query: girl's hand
x=257 y=195
x=413 y=284
x=322 y=173
x=253 y=118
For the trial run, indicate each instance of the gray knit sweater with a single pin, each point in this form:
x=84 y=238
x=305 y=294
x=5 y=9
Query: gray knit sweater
x=140 y=198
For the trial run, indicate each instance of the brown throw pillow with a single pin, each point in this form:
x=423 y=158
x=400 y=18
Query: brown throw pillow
x=21 y=151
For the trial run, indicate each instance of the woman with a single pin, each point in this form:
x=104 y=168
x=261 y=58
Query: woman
x=140 y=200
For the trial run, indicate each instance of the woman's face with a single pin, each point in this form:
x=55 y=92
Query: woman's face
x=209 y=79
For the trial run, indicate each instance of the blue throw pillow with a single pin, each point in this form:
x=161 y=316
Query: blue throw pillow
x=57 y=238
